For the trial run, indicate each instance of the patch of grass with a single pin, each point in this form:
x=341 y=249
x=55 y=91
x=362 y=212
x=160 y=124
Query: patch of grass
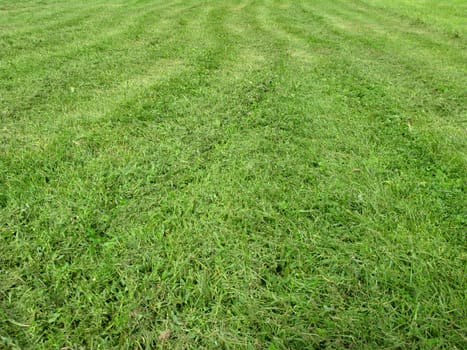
x=233 y=174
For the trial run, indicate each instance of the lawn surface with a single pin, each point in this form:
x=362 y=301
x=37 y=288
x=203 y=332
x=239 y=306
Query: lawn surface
x=246 y=174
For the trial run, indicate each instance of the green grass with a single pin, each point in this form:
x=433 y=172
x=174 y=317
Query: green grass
x=249 y=174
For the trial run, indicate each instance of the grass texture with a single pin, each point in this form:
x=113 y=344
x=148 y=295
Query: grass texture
x=233 y=174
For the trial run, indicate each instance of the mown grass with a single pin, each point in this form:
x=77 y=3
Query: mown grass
x=246 y=174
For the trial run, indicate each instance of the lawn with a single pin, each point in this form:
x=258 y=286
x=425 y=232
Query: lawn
x=233 y=174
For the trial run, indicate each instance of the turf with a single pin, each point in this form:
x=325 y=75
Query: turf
x=242 y=174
